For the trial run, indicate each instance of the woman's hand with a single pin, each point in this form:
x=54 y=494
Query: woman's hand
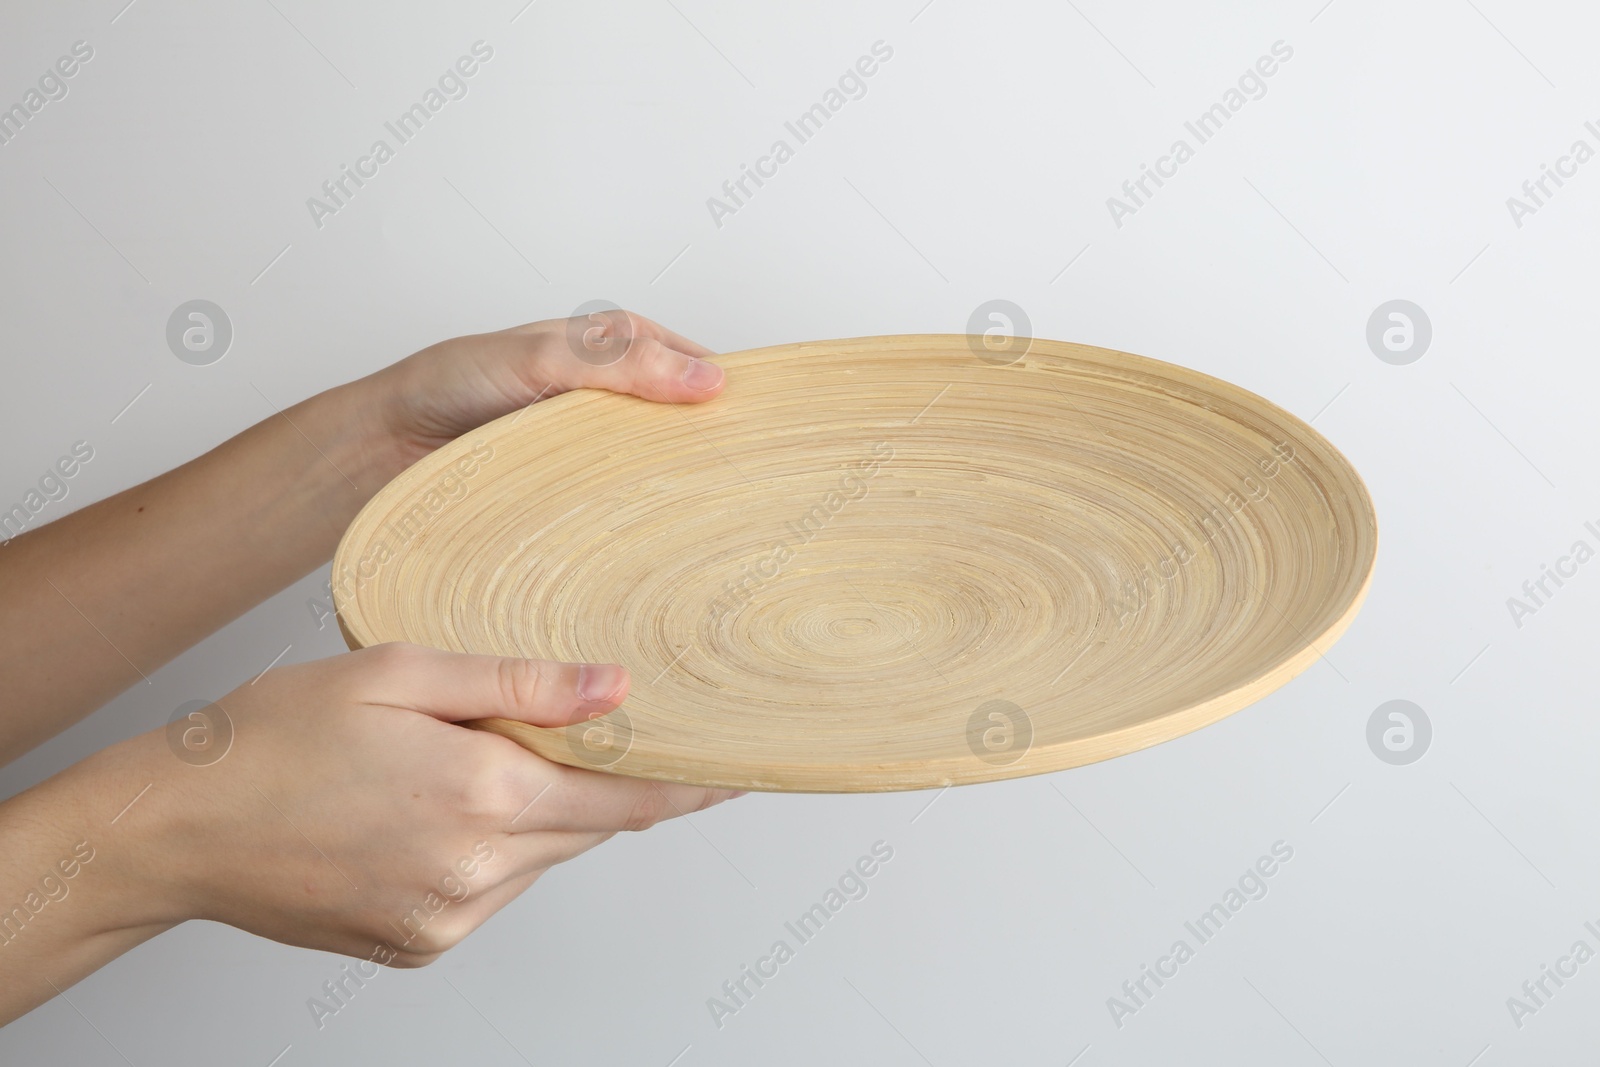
x=348 y=813
x=351 y=813
x=455 y=386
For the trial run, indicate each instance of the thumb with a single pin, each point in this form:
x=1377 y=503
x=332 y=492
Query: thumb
x=627 y=353
x=455 y=686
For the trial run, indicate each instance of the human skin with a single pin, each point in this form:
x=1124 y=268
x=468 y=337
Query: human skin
x=348 y=791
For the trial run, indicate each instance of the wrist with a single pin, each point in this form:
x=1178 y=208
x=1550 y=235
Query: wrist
x=84 y=848
x=357 y=430
x=74 y=890
x=119 y=806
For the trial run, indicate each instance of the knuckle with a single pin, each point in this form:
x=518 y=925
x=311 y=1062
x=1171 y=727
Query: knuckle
x=430 y=941
x=488 y=793
x=443 y=933
x=712 y=797
x=387 y=657
x=521 y=682
x=410 y=961
x=626 y=323
x=651 y=355
x=611 y=324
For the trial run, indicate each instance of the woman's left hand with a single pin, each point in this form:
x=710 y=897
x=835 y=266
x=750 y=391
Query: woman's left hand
x=455 y=386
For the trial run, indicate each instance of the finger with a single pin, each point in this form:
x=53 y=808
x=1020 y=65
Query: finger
x=478 y=908
x=675 y=340
x=592 y=801
x=628 y=324
x=626 y=353
x=459 y=920
x=531 y=853
x=455 y=686
x=493 y=899
x=657 y=372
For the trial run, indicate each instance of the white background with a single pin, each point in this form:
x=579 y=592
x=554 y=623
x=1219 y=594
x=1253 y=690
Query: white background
x=978 y=165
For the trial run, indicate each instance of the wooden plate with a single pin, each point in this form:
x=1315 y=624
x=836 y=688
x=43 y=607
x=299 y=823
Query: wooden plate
x=881 y=563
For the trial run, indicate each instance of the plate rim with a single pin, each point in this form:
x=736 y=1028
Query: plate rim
x=1038 y=759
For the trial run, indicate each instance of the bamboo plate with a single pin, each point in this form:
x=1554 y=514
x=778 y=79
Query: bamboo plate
x=882 y=563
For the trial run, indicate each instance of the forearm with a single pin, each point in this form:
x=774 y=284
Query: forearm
x=74 y=894
x=101 y=598
x=96 y=601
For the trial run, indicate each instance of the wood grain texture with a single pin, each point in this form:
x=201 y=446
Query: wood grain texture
x=881 y=563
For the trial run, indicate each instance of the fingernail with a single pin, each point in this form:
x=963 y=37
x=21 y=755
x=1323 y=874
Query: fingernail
x=700 y=375
x=597 y=681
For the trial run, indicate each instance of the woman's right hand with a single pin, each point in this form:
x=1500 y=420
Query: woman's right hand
x=351 y=814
